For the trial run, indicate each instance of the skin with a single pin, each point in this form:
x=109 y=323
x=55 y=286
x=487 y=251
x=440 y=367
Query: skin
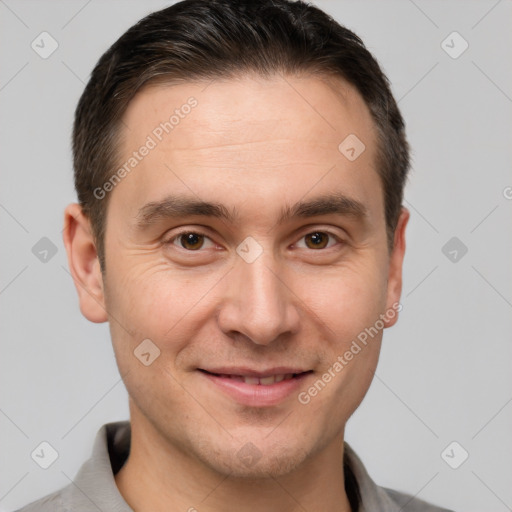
x=249 y=142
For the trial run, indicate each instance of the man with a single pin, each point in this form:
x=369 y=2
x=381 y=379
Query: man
x=240 y=169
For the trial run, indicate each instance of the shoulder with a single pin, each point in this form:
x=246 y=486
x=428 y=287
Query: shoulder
x=49 y=503
x=374 y=498
x=408 y=503
x=94 y=483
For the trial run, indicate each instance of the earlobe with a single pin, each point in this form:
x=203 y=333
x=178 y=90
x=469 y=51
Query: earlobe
x=394 y=290
x=84 y=263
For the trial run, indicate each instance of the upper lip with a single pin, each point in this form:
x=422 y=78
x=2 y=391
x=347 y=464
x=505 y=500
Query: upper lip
x=250 y=372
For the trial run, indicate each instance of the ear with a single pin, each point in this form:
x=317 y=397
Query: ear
x=84 y=263
x=395 y=267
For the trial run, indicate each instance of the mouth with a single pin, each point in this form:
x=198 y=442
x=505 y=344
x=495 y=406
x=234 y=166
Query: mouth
x=258 y=380
x=255 y=388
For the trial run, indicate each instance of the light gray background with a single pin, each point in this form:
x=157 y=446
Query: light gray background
x=445 y=370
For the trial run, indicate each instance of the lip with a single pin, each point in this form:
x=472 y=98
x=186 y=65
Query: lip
x=251 y=372
x=256 y=395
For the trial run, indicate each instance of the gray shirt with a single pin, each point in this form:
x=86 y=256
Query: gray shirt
x=94 y=487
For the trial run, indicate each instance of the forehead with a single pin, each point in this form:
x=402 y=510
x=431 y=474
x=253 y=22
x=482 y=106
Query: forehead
x=252 y=105
x=272 y=138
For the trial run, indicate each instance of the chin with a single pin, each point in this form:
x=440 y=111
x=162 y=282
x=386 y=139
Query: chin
x=246 y=460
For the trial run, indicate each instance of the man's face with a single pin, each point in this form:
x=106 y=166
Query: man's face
x=257 y=147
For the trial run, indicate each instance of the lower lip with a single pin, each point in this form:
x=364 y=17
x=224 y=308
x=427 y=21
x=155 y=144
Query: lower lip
x=257 y=395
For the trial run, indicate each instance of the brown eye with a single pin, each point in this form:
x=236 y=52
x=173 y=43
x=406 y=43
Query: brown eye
x=191 y=241
x=317 y=240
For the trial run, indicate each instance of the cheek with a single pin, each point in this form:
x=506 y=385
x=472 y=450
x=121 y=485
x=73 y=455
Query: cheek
x=347 y=298
x=156 y=302
x=350 y=308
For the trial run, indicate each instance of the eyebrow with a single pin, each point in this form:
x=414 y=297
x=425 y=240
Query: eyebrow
x=177 y=206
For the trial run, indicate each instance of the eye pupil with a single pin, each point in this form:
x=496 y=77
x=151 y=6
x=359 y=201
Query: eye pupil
x=191 y=239
x=318 y=239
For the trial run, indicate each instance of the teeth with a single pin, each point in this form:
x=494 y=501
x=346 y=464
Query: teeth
x=262 y=381
x=235 y=377
x=267 y=381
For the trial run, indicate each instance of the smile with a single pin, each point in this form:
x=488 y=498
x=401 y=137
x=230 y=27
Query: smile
x=256 y=389
x=260 y=381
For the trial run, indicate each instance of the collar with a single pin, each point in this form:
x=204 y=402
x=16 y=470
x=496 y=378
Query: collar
x=95 y=483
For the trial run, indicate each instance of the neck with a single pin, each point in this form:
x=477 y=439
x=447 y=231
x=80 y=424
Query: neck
x=159 y=477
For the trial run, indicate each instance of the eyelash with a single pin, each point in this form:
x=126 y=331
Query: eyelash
x=188 y=232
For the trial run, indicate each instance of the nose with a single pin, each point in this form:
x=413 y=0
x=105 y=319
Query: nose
x=258 y=303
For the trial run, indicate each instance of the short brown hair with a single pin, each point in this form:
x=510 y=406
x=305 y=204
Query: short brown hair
x=208 y=39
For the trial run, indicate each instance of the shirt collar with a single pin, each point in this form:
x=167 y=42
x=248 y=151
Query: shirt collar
x=372 y=497
x=95 y=483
